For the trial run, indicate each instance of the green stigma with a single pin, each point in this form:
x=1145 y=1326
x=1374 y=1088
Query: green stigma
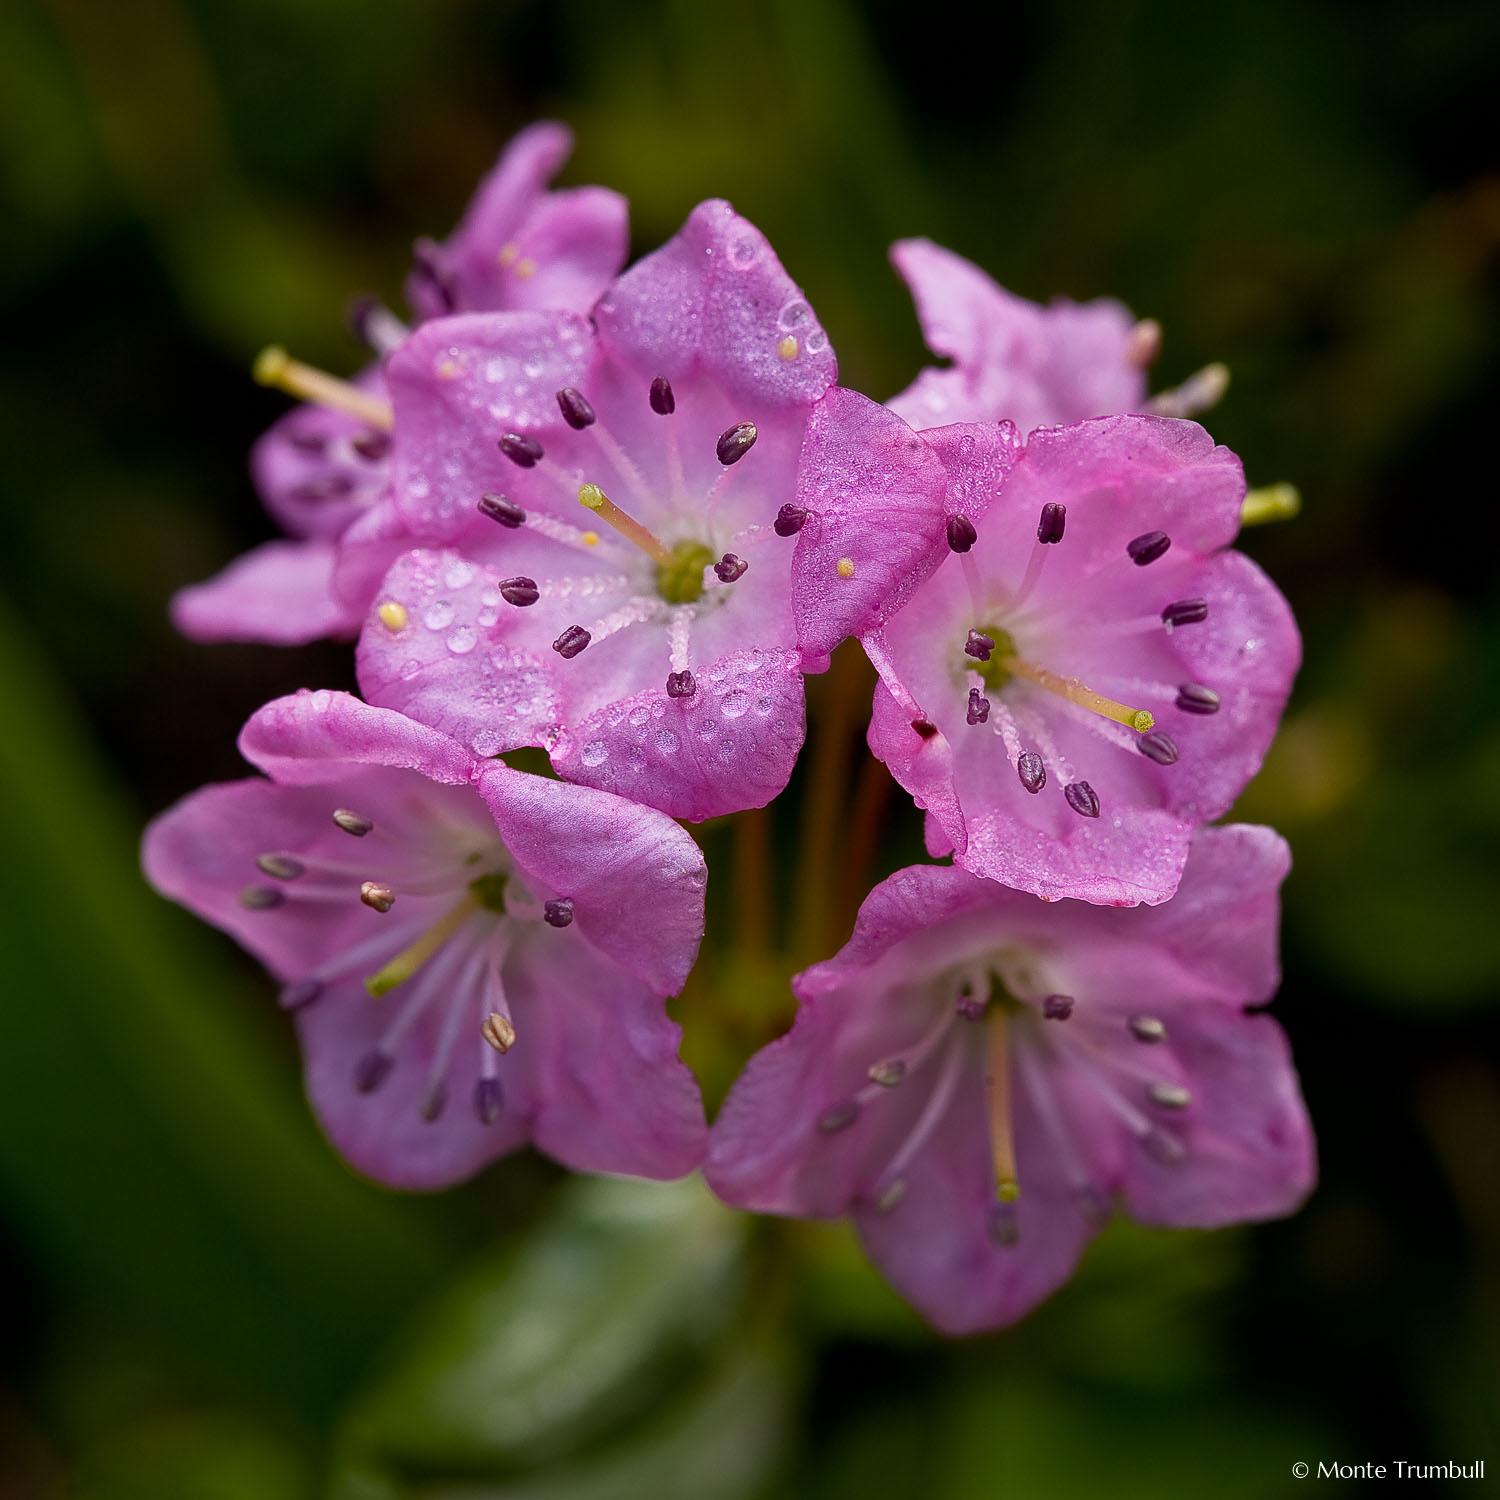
x=489 y=890
x=992 y=673
x=681 y=580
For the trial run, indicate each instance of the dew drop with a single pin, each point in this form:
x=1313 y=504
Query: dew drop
x=665 y=741
x=595 y=753
x=462 y=640
x=793 y=315
x=485 y=742
x=816 y=342
x=743 y=253
x=410 y=668
x=639 y=715
x=734 y=704
x=438 y=615
x=459 y=574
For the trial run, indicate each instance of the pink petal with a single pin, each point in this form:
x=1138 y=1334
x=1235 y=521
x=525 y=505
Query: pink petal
x=280 y=593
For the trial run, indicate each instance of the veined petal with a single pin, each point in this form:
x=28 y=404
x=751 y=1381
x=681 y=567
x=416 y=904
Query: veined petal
x=279 y=592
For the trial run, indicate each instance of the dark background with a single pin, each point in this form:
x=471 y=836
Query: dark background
x=198 y=1300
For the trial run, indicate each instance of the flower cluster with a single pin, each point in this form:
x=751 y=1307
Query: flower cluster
x=618 y=517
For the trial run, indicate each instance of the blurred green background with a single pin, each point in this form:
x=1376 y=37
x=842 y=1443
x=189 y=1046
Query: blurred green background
x=199 y=1300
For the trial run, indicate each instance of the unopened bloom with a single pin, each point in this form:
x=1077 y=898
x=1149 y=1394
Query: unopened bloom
x=476 y=957
x=615 y=496
x=1089 y=673
x=978 y=1076
x=320 y=467
x=1016 y=361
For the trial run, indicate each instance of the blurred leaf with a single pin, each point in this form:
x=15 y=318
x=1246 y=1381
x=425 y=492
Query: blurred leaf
x=577 y=1333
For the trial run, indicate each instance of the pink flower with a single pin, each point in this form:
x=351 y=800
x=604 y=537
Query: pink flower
x=645 y=636
x=1089 y=674
x=320 y=469
x=979 y=1075
x=427 y=912
x=1017 y=361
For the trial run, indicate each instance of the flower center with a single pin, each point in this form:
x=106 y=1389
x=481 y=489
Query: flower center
x=680 y=579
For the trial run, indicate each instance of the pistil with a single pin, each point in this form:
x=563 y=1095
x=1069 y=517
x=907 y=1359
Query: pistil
x=1138 y=719
x=998 y=1098
x=275 y=367
x=591 y=497
x=409 y=960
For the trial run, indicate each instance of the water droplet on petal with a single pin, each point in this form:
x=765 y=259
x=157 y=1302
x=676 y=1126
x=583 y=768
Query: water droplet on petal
x=735 y=704
x=595 y=753
x=459 y=574
x=463 y=640
x=438 y=615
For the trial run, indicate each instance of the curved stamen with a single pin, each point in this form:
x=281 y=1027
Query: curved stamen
x=895 y=1069
x=591 y=497
x=938 y=1100
x=409 y=960
x=1074 y=691
x=998 y=1103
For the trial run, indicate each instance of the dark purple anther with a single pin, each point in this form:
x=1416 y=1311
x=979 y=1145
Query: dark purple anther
x=1082 y=798
x=663 y=402
x=371 y=446
x=279 y=866
x=969 y=1006
x=961 y=534
x=576 y=411
x=311 y=443
x=571 y=642
x=506 y=512
x=681 y=685
x=839 y=1116
x=924 y=727
x=978 y=646
x=488 y=1097
x=1054 y=517
x=729 y=567
x=1057 y=1007
x=790 y=519
x=261 y=898
x=434 y=1102
x=1092 y=1204
x=300 y=994
x=1032 y=772
x=558 y=913
x=1161 y=748
x=372 y=1070
x=1005 y=1226
x=1193 y=698
x=1164 y=1147
x=979 y=707
x=1184 y=612
x=425 y=264
x=735 y=442
x=324 y=487
x=1147 y=547
x=521 y=449
x=519 y=591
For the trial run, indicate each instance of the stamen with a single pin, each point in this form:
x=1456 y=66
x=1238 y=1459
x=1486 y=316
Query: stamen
x=838 y=1116
x=1170 y=1095
x=300 y=993
x=1184 y=612
x=323 y=487
x=1032 y=772
x=1074 y=691
x=261 y=898
x=279 y=866
x=521 y=449
x=506 y=512
x=790 y=519
x=925 y=728
x=371 y=446
x=997 y=1096
x=498 y=1031
x=961 y=533
x=489 y=1098
x=571 y=642
x=519 y=591
x=730 y=567
x=1004 y=1226
x=979 y=707
x=663 y=402
x=409 y=960
x=376 y=896
x=1147 y=1029
x=735 y=442
x=1082 y=798
x=374 y=324
x=1051 y=523
x=1275 y=502
x=1147 y=547
x=558 y=913
x=887 y=1074
x=1198 y=392
x=372 y=1070
x=576 y=411
x=1057 y=1007
x=1164 y=1147
x=1144 y=344
x=276 y=368
x=1158 y=746
x=681 y=685
x=979 y=646
x=1193 y=698
x=591 y=497
x=932 y=1113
